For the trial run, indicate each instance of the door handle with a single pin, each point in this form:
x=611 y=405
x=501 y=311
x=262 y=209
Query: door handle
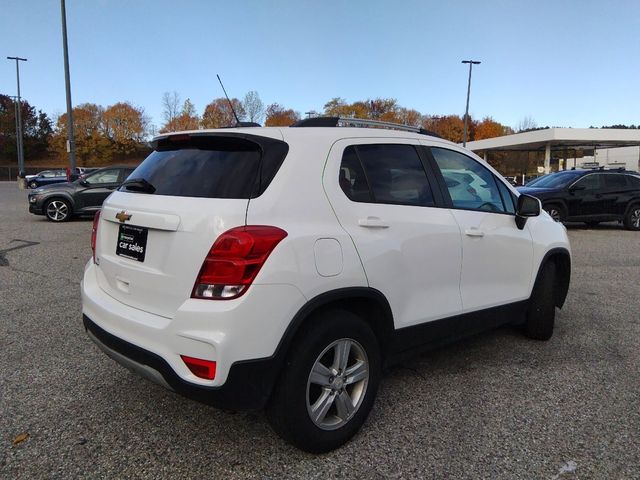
x=372 y=222
x=474 y=232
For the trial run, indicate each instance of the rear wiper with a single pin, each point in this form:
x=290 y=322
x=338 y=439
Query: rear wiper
x=139 y=185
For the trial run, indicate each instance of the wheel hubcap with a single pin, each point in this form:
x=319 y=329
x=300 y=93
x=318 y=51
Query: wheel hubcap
x=57 y=210
x=635 y=218
x=337 y=384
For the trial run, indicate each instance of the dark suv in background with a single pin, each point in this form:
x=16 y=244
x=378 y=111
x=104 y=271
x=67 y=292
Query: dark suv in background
x=61 y=201
x=590 y=196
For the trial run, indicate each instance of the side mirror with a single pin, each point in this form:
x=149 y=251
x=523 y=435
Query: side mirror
x=83 y=182
x=528 y=206
x=576 y=188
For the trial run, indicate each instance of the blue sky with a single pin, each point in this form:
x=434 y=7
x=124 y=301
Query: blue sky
x=564 y=63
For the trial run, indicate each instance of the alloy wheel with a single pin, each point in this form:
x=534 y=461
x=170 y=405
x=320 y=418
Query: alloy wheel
x=554 y=213
x=57 y=210
x=337 y=384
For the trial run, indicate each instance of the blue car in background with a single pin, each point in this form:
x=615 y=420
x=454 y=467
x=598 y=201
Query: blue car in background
x=46 y=177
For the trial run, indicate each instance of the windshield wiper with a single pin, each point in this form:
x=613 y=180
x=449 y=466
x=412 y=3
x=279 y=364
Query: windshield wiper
x=139 y=185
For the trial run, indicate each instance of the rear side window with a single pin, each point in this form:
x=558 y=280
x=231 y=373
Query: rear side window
x=210 y=167
x=471 y=186
x=394 y=175
x=614 y=180
x=353 y=181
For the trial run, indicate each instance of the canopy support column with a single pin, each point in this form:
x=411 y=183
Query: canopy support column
x=547 y=158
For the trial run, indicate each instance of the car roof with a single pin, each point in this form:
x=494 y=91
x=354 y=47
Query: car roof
x=322 y=133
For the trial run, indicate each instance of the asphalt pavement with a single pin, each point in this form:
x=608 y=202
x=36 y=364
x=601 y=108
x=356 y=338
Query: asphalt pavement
x=494 y=406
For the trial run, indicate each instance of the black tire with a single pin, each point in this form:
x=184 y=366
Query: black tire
x=33 y=185
x=290 y=406
x=58 y=210
x=556 y=211
x=632 y=218
x=541 y=313
x=592 y=224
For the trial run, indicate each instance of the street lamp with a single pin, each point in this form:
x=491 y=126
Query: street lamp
x=15 y=117
x=71 y=143
x=19 y=119
x=466 y=112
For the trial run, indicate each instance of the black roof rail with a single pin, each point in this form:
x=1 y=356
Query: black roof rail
x=359 y=122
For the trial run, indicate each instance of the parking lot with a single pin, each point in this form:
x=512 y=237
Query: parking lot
x=494 y=406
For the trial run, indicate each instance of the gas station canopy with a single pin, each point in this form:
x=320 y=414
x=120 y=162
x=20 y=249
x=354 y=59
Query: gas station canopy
x=559 y=139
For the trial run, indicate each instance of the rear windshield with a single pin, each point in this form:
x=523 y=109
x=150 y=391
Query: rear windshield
x=212 y=167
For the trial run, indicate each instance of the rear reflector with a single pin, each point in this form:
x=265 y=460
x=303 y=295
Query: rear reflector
x=200 y=368
x=234 y=261
x=94 y=234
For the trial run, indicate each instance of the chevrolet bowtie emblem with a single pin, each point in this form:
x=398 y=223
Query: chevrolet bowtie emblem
x=123 y=216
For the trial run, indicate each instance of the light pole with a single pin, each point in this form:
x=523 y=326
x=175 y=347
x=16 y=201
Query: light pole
x=15 y=116
x=466 y=112
x=71 y=143
x=19 y=119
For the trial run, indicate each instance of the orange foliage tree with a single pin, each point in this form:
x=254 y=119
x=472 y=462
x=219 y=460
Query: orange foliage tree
x=278 y=116
x=450 y=127
x=489 y=128
x=218 y=113
x=187 y=119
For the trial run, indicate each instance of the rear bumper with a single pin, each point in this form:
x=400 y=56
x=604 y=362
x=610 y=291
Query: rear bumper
x=241 y=336
x=248 y=384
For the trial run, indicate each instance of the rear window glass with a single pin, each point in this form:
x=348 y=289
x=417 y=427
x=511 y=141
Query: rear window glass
x=222 y=167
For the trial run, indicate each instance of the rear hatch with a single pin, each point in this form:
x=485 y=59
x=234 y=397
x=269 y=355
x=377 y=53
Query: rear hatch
x=156 y=230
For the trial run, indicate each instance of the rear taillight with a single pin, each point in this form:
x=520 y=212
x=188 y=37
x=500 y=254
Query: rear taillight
x=234 y=261
x=94 y=234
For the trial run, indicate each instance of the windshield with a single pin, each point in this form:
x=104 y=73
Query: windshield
x=555 y=180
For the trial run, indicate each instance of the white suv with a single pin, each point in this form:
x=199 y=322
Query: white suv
x=286 y=267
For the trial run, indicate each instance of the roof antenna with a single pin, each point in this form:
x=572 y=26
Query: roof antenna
x=230 y=104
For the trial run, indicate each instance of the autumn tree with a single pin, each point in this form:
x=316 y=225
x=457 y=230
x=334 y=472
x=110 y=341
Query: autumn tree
x=488 y=128
x=218 y=113
x=93 y=147
x=450 y=127
x=187 y=119
x=338 y=107
x=408 y=116
x=278 y=116
x=125 y=125
x=36 y=129
x=383 y=109
x=253 y=107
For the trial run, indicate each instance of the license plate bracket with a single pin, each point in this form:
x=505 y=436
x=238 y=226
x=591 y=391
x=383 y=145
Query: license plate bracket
x=132 y=242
